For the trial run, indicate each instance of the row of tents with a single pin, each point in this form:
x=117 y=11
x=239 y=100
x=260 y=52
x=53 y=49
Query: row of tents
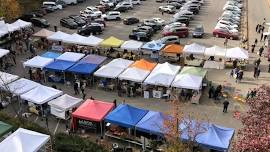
x=151 y=122
x=6 y=28
x=140 y=71
x=155 y=45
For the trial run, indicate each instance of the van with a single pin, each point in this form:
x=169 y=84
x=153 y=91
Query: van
x=70 y=2
x=52 y=5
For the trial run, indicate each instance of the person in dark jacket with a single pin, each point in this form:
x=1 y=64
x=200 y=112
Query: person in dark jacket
x=225 y=106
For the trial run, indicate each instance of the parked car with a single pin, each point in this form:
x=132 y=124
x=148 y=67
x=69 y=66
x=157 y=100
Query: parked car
x=169 y=40
x=178 y=31
x=131 y=20
x=184 y=13
x=140 y=36
x=91 y=13
x=228 y=23
x=229 y=20
x=234 y=3
x=102 y=8
x=77 y=19
x=94 y=10
x=61 y=2
x=69 y=23
x=48 y=9
x=173 y=25
x=147 y=29
x=136 y=2
x=225 y=34
x=230 y=29
x=39 y=13
x=40 y=22
x=121 y=9
x=175 y=4
x=160 y=1
x=27 y=17
x=198 y=31
x=167 y=9
x=159 y=21
x=100 y=21
x=96 y=24
x=52 y=5
x=128 y=5
x=194 y=10
x=89 y=29
x=112 y=15
x=181 y=19
x=107 y=2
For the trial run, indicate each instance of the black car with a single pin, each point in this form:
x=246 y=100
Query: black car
x=40 y=22
x=194 y=10
x=131 y=20
x=121 y=9
x=39 y=13
x=184 y=20
x=77 y=19
x=90 y=29
x=27 y=17
x=175 y=4
x=140 y=36
x=48 y=9
x=69 y=23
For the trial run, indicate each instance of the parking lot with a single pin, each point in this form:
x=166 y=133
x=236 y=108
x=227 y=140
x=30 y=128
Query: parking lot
x=208 y=15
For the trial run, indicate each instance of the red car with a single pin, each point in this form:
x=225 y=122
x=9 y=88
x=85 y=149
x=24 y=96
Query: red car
x=225 y=34
x=177 y=31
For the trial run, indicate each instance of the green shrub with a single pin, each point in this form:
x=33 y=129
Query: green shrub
x=74 y=143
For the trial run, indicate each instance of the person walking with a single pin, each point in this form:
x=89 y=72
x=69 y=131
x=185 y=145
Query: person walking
x=269 y=68
x=255 y=71
x=241 y=74
x=252 y=48
x=262 y=29
x=76 y=87
x=261 y=51
x=211 y=92
x=261 y=36
x=226 y=42
x=256 y=41
x=225 y=106
x=258 y=62
x=258 y=71
x=257 y=27
x=264 y=37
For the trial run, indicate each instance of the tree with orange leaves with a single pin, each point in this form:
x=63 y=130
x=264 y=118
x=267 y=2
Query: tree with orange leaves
x=9 y=9
x=179 y=123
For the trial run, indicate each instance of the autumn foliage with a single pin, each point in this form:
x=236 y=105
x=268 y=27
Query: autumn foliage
x=9 y=9
x=255 y=134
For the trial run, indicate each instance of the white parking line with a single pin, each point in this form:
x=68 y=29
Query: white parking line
x=56 y=127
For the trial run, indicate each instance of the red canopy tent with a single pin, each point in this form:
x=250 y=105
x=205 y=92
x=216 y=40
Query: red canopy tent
x=91 y=110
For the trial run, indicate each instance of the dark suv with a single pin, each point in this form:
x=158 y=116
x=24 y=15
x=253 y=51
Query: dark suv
x=90 y=29
x=69 y=23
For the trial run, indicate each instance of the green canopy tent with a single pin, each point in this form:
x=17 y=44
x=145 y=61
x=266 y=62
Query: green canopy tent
x=4 y=128
x=194 y=71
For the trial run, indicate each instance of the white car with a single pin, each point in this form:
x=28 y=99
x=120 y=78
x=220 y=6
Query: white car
x=89 y=13
x=167 y=9
x=230 y=29
x=229 y=20
x=231 y=8
x=185 y=13
x=125 y=4
x=231 y=13
x=112 y=15
x=159 y=21
x=174 y=24
x=107 y=2
x=227 y=23
x=97 y=24
x=136 y=2
x=94 y=10
x=232 y=3
x=169 y=40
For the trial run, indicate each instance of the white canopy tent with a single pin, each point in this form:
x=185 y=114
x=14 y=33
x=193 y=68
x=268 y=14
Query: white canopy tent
x=6 y=78
x=215 y=51
x=21 y=86
x=187 y=81
x=113 y=69
x=162 y=75
x=75 y=39
x=58 y=36
x=134 y=74
x=194 y=48
x=38 y=62
x=60 y=105
x=71 y=56
x=3 y=28
x=41 y=94
x=132 y=45
x=21 y=24
x=43 y=33
x=23 y=140
x=237 y=53
x=11 y=27
x=3 y=52
x=93 y=40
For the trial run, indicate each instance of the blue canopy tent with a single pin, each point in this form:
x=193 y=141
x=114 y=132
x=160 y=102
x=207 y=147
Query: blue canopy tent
x=152 y=123
x=51 y=55
x=214 y=137
x=126 y=116
x=58 y=66
x=153 y=46
x=83 y=68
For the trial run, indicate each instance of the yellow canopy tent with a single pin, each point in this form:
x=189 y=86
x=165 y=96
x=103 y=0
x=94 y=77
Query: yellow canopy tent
x=111 y=42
